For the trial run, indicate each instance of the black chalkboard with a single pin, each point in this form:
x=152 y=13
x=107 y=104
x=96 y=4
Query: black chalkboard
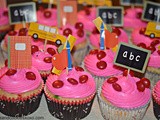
x=131 y=2
x=132 y=57
x=150 y=12
x=111 y=15
x=22 y=12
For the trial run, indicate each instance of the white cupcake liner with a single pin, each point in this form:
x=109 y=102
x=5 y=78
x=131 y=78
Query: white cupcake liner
x=110 y=112
x=153 y=77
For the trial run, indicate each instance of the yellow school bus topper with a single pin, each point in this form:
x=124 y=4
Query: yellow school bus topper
x=96 y=2
x=153 y=29
x=45 y=32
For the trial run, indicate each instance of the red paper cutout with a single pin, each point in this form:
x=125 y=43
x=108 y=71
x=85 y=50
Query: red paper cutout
x=60 y=61
x=111 y=39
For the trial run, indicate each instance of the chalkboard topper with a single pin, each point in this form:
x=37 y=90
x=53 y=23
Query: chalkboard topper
x=111 y=15
x=132 y=57
x=151 y=11
x=22 y=12
x=131 y=2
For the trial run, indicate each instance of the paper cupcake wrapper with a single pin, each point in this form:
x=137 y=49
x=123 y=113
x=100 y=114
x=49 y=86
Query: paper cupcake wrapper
x=99 y=80
x=156 y=109
x=110 y=112
x=71 y=111
x=79 y=55
x=153 y=77
x=20 y=108
x=2 y=34
x=44 y=75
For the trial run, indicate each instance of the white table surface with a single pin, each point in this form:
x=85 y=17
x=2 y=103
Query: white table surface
x=42 y=112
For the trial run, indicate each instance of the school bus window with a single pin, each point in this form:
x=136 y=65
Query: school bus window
x=157 y=27
x=41 y=27
x=53 y=30
x=46 y=29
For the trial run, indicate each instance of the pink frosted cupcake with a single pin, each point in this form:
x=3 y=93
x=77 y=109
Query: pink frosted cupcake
x=94 y=38
x=21 y=32
x=86 y=16
x=80 y=48
x=70 y=95
x=132 y=19
x=124 y=98
x=156 y=100
x=47 y=16
x=100 y=64
x=42 y=60
x=140 y=39
x=20 y=91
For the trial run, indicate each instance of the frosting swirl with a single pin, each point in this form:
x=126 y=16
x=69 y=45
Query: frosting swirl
x=18 y=83
x=90 y=63
x=68 y=90
x=129 y=96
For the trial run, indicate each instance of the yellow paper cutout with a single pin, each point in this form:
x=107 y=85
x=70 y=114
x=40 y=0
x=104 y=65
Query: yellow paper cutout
x=153 y=29
x=96 y=2
x=45 y=32
x=114 y=49
x=158 y=47
x=56 y=71
x=98 y=21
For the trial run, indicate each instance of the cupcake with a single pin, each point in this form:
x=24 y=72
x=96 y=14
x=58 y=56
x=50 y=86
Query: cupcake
x=20 y=91
x=94 y=38
x=80 y=48
x=47 y=16
x=99 y=63
x=86 y=16
x=42 y=59
x=124 y=98
x=132 y=19
x=4 y=23
x=70 y=95
x=156 y=100
x=144 y=41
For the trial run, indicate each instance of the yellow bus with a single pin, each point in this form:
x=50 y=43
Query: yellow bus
x=153 y=29
x=45 y=32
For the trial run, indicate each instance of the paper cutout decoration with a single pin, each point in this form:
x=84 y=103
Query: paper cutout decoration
x=132 y=57
x=46 y=32
x=96 y=2
x=3 y=4
x=22 y=12
x=67 y=12
x=19 y=52
x=69 y=56
x=98 y=22
x=102 y=37
x=153 y=29
x=111 y=39
x=57 y=69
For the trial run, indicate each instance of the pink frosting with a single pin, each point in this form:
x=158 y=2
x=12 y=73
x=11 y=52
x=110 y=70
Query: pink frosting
x=72 y=91
x=52 y=21
x=91 y=60
x=37 y=42
x=156 y=90
x=95 y=38
x=137 y=38
x=129 y=97
x=38 y=58
x=74 y=33
x=4 y=20
x=18 y=83
x=87 y=19
x=130 y=19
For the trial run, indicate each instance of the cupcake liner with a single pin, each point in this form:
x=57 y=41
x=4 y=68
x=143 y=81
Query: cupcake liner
x=20 y=108
x=44 y=75
x=156 y=109
x=69 y=109
x=79 y=54
x=2 y=34
x=110 y=112
x=153 y=75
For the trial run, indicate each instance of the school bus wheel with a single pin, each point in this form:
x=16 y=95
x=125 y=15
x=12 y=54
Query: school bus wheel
x=58 y=42
x=35 y=36
x=152 y=35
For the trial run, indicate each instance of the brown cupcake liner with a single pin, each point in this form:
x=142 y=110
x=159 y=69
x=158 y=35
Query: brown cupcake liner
x=20 y=108
x=67 y=110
